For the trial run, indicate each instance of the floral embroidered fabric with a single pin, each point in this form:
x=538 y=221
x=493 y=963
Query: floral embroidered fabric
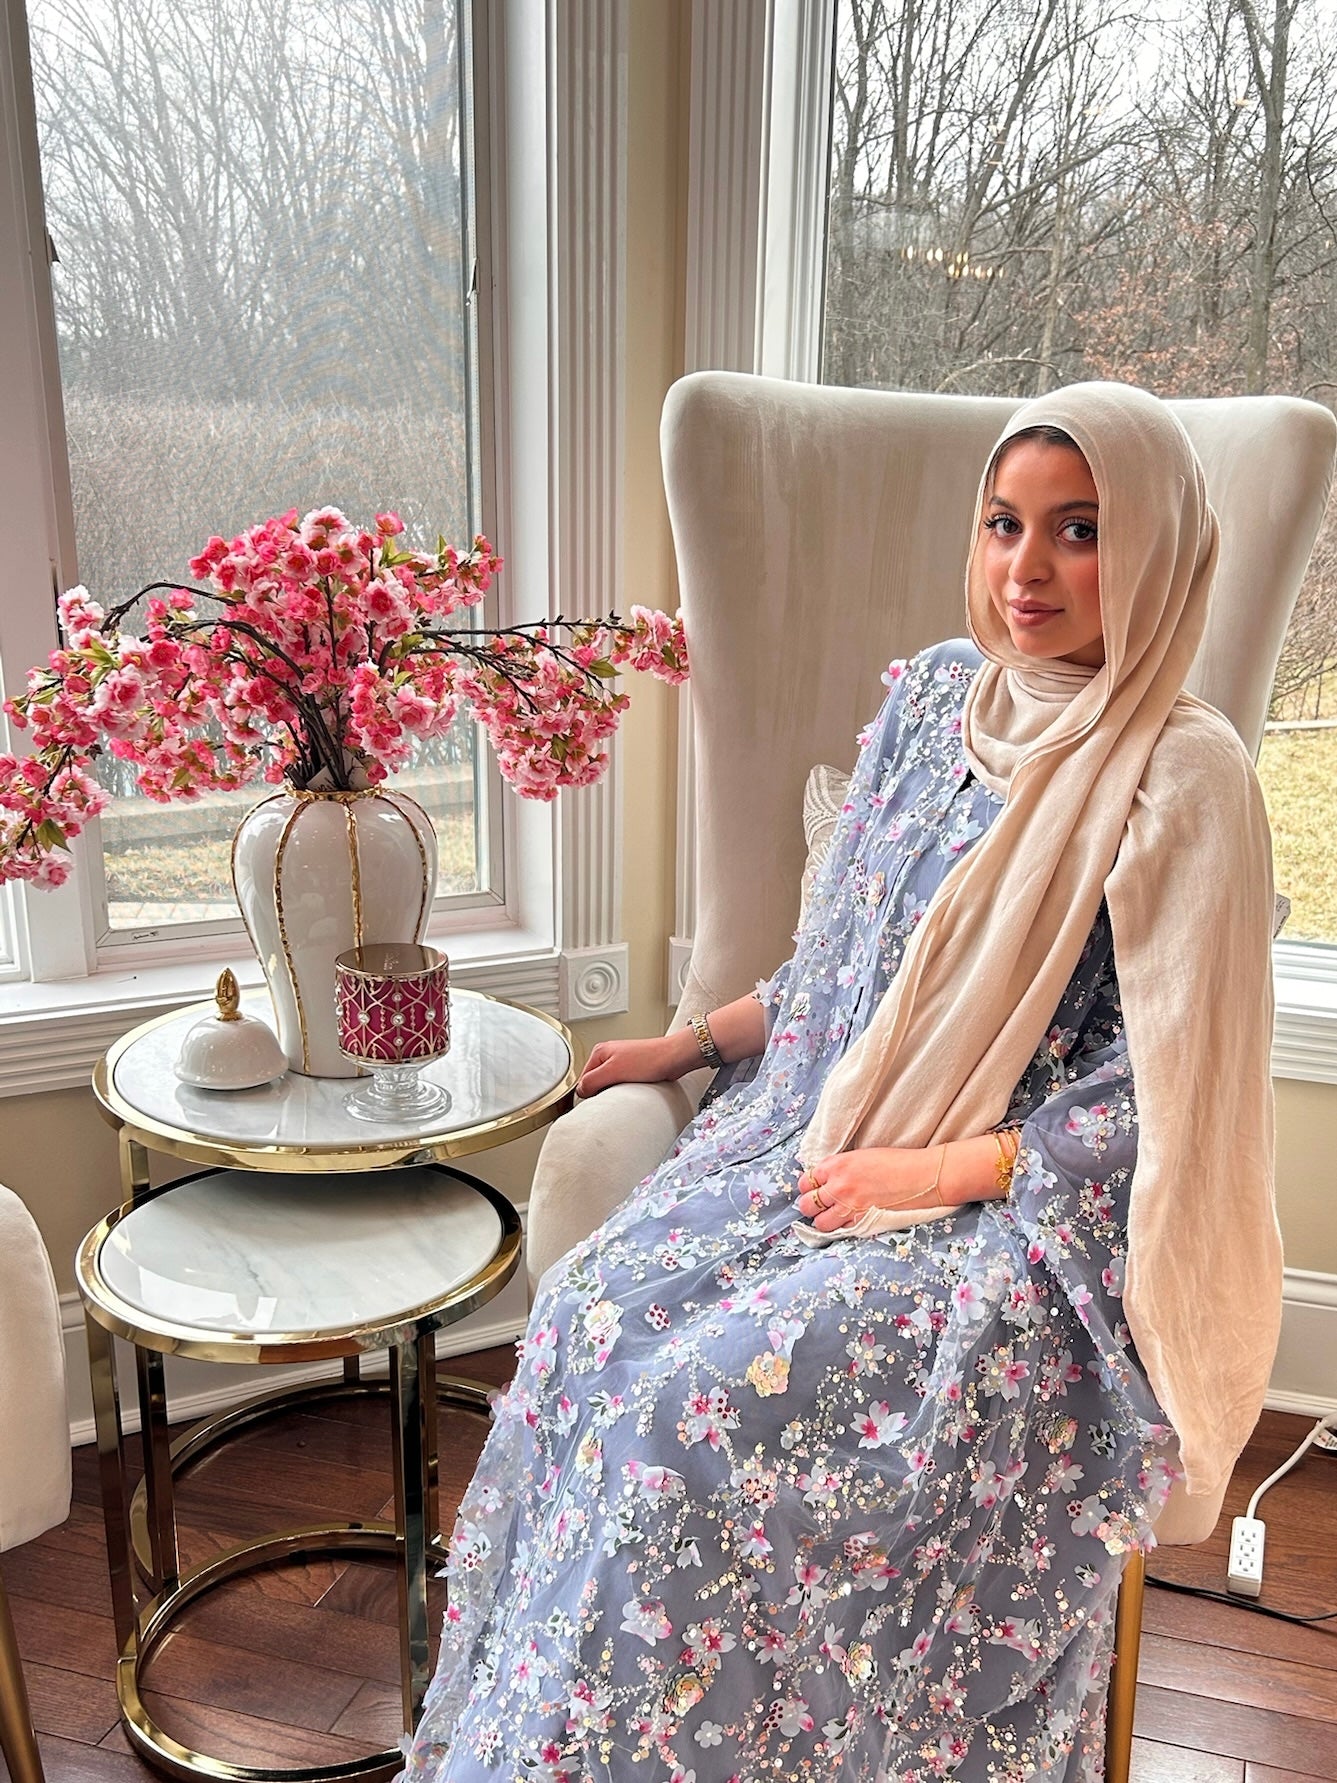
x=751 y=1510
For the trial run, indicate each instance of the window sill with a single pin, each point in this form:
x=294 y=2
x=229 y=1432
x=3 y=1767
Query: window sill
x=1304 y=1042
x=51 y=1035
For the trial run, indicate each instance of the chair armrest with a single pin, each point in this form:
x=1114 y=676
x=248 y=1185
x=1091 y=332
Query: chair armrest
x=593 y=1158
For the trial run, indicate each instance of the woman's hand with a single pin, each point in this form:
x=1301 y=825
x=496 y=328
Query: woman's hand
x=662 y=1059
x=839 y=1190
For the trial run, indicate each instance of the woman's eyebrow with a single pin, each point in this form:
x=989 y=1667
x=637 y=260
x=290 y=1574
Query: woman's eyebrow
x=1062 y=507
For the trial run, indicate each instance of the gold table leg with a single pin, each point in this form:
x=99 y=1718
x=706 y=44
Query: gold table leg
x=111 y=1476
x=18 y=1742
x=411 y=1499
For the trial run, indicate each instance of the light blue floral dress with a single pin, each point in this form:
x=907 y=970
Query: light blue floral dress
x=752 y=1510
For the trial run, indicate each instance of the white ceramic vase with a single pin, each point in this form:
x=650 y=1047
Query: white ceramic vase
x=316 y=873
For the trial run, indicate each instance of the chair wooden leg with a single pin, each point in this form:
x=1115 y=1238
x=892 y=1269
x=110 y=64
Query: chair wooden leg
x=18 y=1742
x=1123 y=1678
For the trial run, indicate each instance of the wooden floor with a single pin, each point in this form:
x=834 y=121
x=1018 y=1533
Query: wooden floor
x=301 y=1666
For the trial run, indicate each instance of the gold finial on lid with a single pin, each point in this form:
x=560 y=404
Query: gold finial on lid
x=228 y=996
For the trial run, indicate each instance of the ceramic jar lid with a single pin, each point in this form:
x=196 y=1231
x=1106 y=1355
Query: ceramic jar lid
x=230 y=1051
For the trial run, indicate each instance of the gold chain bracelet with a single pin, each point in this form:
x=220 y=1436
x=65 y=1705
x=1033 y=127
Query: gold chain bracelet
x=706 y=1041
x=1008 y=1141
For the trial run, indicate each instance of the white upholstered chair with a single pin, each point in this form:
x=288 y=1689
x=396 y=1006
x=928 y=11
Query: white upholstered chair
x=34 y=1444
x=820 y=532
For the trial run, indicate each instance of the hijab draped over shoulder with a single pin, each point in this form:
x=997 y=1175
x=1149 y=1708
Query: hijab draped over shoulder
x=1120 y=786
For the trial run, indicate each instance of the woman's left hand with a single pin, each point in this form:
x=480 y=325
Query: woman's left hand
x=839 y=1190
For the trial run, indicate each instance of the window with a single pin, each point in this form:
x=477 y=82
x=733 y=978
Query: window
x=1025 y=195
x=260 y=230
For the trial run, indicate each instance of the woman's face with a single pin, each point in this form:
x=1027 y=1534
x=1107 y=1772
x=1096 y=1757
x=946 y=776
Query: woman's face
x=1039 y=552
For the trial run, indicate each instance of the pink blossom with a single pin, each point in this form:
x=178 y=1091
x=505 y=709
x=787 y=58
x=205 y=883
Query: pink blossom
x=316 y=647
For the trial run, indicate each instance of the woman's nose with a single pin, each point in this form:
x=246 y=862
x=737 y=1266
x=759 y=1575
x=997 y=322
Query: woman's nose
x=1030 y=560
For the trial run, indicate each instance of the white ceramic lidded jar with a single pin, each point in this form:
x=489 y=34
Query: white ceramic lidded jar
x=229 y=1050
x=316 y=873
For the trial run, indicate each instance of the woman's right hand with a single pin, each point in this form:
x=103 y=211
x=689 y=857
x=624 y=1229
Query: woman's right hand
x=660 y=1060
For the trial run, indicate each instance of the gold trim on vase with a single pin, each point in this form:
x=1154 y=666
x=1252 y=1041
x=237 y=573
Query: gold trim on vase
x=232 y=871
x=279 y=852
x=425 y=899
x=341 y=794
x=354 y=872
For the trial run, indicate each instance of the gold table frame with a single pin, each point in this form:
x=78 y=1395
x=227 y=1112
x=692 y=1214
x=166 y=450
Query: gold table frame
x=148 y=1587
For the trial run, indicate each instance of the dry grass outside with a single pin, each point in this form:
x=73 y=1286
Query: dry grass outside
x=200 y=872
x=1298 y=770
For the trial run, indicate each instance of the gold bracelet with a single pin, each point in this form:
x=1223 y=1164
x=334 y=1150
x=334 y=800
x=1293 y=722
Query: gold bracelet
x=927 y=1197
x=1008 y=1141
x=706 y=1041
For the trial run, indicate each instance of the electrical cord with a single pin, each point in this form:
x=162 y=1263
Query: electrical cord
x=1322 y=1427
x=1241 y=1603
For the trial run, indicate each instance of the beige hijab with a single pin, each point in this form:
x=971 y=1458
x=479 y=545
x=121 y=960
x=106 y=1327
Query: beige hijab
x=1117 y=785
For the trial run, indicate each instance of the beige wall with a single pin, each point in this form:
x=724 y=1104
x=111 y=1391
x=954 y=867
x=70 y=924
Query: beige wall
x=60 y=1157
x=1307 y=1173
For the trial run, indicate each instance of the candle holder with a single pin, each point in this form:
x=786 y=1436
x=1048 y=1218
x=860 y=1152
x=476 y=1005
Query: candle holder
x=392 y=1008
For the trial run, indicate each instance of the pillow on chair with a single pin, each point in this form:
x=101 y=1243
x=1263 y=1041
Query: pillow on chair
x=823 y=801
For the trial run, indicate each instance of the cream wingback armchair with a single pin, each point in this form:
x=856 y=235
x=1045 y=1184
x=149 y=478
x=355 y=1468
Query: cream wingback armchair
x=34 y=1444
x=820 y=532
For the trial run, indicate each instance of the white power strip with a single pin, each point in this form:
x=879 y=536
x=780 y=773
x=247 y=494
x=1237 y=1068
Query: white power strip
x=1244 y=1570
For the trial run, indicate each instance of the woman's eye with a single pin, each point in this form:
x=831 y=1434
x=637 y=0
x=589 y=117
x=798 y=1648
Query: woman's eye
x=1001 y=523
x=1081 y=532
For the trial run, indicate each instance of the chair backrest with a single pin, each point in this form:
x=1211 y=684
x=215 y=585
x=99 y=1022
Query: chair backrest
x=820 y=532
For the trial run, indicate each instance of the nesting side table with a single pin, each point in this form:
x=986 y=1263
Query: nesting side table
x=311 y=1237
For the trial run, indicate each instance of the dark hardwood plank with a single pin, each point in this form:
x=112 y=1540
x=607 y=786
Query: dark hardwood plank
x=370 y=1590
x=68 y=1705
x=66 y=1762
x=66 y=1565
x=304 y=1581
x=1155 y=1763
x=226 y=1677
x=352 y=1644
x=1237 y=1628
x=1231 y=1730
x=247 y=1739
x=376 y=1714
x=50 y=1634
x=1266 y=1773
x=1246 y=1678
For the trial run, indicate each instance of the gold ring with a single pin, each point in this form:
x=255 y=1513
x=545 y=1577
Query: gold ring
x=817 y=1197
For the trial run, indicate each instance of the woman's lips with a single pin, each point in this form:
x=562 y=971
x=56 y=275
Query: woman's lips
x=1030 y=613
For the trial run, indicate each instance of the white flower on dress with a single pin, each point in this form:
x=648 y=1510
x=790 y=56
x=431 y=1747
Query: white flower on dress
x=793 y=1718
x=645 y=1618
x=654 y=1483
x=710 y=1733
x=878 y=1425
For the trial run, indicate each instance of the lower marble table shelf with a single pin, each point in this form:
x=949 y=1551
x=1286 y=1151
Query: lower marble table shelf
x=240 y=1267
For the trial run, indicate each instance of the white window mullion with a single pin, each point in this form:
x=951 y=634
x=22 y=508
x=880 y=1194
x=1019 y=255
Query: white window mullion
x=36 y=520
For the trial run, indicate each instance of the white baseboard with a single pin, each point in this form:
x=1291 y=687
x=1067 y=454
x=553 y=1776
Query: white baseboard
x=1304 y=1375
x=1304 y=1378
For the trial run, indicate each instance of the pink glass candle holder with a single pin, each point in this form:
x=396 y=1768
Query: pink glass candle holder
x=392 y=1006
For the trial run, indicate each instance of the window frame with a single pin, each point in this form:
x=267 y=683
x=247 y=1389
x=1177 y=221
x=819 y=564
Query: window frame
x=549 y=146
x=774 y=326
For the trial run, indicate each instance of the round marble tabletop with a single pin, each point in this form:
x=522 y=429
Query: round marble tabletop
x=269 y=1262
x=509 y=1070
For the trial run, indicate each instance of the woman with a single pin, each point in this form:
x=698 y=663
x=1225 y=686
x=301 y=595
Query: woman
x=825 y=1452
